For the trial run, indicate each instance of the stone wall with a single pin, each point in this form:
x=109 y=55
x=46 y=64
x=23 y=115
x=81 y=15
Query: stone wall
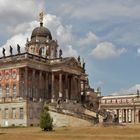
x=62 y=120
x=9 y=119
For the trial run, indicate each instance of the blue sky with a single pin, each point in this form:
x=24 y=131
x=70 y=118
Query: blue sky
x=105 y=33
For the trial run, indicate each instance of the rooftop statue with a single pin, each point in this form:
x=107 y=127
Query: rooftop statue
x=3 y=51
x=60 y=53
x=11 y=50
x=79 y=60
x=18 y=48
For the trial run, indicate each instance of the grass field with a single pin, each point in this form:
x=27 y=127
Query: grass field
x=131 y=132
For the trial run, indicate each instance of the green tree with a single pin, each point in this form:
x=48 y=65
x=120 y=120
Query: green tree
x=46 y=120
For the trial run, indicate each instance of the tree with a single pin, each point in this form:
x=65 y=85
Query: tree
x=46 y=120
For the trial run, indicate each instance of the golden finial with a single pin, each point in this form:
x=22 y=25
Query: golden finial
x=41 y=15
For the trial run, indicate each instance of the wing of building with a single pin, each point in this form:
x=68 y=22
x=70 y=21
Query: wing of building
x=125 y=107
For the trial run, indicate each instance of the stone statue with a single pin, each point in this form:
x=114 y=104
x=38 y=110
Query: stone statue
x=79 y=59
x=3 y=51
x=84 y=65
x=60 y=53
x=11 y=50
x=18 y=48
x=27 y=40
x=41 y=15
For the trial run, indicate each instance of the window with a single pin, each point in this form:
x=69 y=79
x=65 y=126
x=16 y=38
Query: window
x=13 y=113
x=21 y=113
x=6 y=113
x=0 y=114
x=7 y=75
x=14 y=90
x=14 y=75
x=7 y=89
x=0 y=90
x=0 y=76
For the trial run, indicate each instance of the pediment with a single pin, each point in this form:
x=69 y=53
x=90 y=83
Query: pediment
x=72 y=62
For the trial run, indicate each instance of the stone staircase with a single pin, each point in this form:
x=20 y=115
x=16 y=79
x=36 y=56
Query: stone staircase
x=77 y=110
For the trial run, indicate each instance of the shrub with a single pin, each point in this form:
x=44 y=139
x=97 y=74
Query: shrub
x=46 y=120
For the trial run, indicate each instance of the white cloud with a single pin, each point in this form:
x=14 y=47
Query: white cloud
x=131 y=90
x=106 y=50
x=17 y=10
x=98 y=83
x=104 y=9
x=59 y=31
x=90 y=38
x=69 y=51
x=138 y=51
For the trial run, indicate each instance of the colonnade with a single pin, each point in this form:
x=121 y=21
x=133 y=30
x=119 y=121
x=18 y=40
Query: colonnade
x=49 y=85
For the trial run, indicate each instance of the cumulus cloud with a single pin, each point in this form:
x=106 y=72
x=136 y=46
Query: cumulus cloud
x=131 y=90
x=106 y=50
x=16 y=10
x=69 y=51
x=104 y=9
x=138 y=51
x=90 y=38
x=13 y=41
x=59 y=31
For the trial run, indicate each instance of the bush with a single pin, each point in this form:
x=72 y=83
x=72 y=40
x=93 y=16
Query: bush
x=46 y=120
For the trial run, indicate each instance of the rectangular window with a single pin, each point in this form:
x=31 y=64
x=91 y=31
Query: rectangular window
x=21 y=113
x=0 y=114
x=14 y=90
x=13 y=113
x=7 y=90
x=0 y=91
x=6 y=113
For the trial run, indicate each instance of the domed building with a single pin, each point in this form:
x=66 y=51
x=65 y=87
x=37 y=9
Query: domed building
x=38 y=75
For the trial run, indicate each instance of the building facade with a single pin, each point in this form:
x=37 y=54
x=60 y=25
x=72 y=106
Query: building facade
x=39 y=74
x=125 y=107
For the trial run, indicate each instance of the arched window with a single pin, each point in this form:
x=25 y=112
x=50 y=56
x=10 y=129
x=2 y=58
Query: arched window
x=14 y=90
x=42 y=51
x=7 y=89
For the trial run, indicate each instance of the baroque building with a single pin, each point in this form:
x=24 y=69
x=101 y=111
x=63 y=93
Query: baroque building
x=37 y=75
x=125 y=107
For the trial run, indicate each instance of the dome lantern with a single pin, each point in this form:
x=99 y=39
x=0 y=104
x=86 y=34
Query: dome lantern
x=41 y=31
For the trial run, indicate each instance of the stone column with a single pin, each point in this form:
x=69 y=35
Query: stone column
x=84 y=96
x=33 y=84
x=11 y=86
x=130 y=115
x=52 y=88
x=79 y=89
x=122 y=115
x=132 y=112
x=40 y=84
x=66 y=87
x=72 y=88
x=60 y=85
x=46 y=86
x=126 y=115
x=76 y=86
x=18 y=83
x=26 y=82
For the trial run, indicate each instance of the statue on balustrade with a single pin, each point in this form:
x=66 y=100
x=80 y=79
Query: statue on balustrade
x=18 y=48
x=11 y=50
x=3 y=52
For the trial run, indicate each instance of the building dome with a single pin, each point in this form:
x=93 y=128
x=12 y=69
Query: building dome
x=41 y=32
